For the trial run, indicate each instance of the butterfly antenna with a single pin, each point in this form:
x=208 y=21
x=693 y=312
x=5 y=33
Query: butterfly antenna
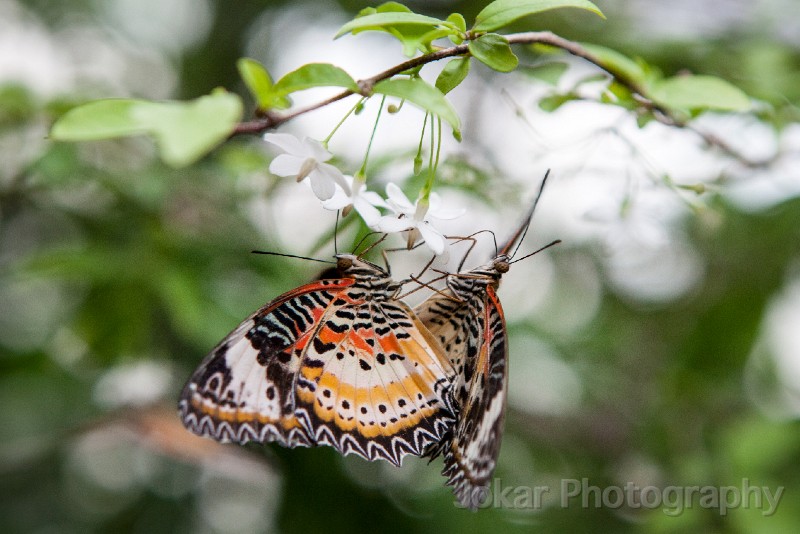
x=363 y=252
x=361 y=242
x=522 y=231
x=428 y=285
x=556 y=242
x=474 y=241
x=424 y=269
x=290 y=256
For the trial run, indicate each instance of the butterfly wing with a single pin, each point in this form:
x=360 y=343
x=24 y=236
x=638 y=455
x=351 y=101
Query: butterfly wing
x=473 y=332
x=244 y=389
x=374 y=382
x=324 y=364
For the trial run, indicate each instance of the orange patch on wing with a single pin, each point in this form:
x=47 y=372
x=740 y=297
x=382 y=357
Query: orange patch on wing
x=326 y=335
x=389 y=343
x=229 y=415
x=311 y=373
x=421 y=359
x=359 y=343
x=329 y=409
x=329 y=381
x=305 y=395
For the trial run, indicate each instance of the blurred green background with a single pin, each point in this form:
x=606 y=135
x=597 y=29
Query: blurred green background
x=118 y=274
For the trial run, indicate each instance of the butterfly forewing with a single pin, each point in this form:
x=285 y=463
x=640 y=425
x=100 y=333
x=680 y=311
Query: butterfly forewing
x=335 y=362
x=244 y=390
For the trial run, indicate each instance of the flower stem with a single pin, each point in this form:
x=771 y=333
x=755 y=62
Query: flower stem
x=335 y=128
x=433 y=163
x=418 y=157
x=361 y=175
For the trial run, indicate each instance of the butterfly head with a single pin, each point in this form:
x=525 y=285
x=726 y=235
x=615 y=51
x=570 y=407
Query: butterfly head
x=501 y=264
x=350 y=264
x=367 y=275
x=488 y=274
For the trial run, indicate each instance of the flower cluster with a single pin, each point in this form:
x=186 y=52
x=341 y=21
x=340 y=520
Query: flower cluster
x=306 y=159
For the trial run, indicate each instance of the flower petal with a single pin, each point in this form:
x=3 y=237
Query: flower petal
x=334 y=175
x=286 y=165
x=368 y=212
x=339 y=200
x=390 y=224
x=435 y=201
x=398 y=200
x=288 y=143
x=446 y=214
x=432 y=237
x=308 y=166
x=314 y=149
x=374 y=198
x=322 y=186
x=437 y=211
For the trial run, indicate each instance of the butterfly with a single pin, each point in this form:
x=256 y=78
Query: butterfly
x=336 y=362
x=467 y=319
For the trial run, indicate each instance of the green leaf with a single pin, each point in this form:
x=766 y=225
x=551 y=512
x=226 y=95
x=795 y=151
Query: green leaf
x=553 y=102
x=415 y=38
x=549 y=72
x=494 y=51
x=618 y=64
x=422 y=94
x=414 y=31
x=183 y=131
x=503 y=12
x=643 y=119
x=259 y=83
x=314 y=75
x=385 y=7
x=592 y=78
x=619 y=95
x=453 y=74
x=699 y=93
x=383 y=21
x=17 y=105
x=457 y=20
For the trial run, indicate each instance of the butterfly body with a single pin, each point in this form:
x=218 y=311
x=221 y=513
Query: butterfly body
x=336 y=362
x=468 y=321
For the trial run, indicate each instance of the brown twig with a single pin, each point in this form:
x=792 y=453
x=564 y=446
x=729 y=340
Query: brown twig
x=272 y=119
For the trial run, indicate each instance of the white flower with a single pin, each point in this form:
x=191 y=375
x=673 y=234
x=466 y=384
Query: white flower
x=306 y=159
x=366 y=203
x=413 y=218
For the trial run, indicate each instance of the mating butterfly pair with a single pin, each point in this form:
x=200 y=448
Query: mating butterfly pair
x=342 y=362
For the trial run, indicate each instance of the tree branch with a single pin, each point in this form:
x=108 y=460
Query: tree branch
x=272 y=119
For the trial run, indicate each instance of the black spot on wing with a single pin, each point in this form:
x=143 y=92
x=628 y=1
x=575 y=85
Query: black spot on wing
x=338 y=326
x=320 y=347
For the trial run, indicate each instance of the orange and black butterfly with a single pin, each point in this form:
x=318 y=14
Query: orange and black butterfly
x=336 y=362
x=467 y=320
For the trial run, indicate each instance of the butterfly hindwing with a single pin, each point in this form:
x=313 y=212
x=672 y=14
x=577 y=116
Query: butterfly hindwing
x=336 y=362
x=472 y=458
x=369 y=384
x=468 y=321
